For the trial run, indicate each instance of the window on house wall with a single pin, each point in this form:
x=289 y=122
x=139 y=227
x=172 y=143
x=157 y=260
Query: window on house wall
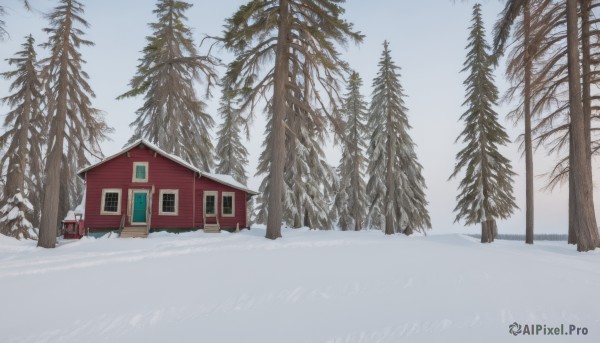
x=169 y=202
x=228 y=209
x=140 y=172
x=210 y=204
x=111 y=201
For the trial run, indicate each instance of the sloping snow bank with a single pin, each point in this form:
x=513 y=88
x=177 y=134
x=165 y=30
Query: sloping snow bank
x=310 y=286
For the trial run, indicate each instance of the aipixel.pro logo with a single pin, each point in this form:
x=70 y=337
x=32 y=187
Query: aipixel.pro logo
x=516 y=329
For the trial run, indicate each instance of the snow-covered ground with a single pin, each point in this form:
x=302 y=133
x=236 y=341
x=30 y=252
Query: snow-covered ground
x=310 y=286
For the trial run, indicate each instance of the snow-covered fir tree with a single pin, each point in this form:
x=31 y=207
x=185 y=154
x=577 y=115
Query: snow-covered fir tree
x=295 y=35
x=172 y=116
x=13 y=217
x=396 y=187
x=231 y=153
x=308 y=179
x=22 y=142
x=486 y=191
x=351 y=197
x=263 y=167
x=75 y=126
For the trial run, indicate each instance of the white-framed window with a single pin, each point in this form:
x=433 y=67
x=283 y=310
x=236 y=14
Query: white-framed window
x=210 y=203
x=140 y=172
x=168 y=202
x=228 y=204
x=111 y=201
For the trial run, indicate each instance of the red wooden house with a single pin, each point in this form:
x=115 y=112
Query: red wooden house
x=143 y=188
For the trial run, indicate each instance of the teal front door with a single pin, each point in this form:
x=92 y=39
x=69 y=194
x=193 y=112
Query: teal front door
x=139 y=207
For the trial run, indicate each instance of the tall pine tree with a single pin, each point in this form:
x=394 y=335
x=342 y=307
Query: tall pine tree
x=298 y=35
x=22 y=142
x=580 y=166
x=351 y=198
x=70 y=113
x=396 y=186
x=486 y=191
x=308 y=179
x=172 y=116
x=232 y=155
x=520 y=71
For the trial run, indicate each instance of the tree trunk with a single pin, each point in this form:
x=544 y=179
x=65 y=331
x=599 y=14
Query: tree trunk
x=586 y=97
x=572 y=215
x=48 y=233
x=389 y=180
x=527 y=118
x=67 y=192
x=36 y=200
x=357 y=215
x=297 y=221
x=356 y=180
x=278 y=135
x=307 y=222
x=586 y=76
x=485 y=232
x=48 y=222
x=292 y=161
x=489 y=231
x=587 y=230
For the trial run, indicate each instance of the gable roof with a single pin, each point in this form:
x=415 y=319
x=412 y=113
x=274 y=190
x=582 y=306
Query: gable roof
x=220 y=178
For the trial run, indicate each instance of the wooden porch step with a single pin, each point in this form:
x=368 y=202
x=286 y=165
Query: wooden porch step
x=134 y=232
x=212 y=228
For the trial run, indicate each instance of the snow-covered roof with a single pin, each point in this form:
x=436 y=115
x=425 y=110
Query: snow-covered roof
x=228 y=180
x=70 y=216
x=220 y=178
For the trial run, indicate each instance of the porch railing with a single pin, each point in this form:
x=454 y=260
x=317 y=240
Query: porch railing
x=149 y=214
x=122 y=225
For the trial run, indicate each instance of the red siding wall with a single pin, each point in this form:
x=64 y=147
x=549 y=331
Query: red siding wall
x=205 y=184
x=162 y=174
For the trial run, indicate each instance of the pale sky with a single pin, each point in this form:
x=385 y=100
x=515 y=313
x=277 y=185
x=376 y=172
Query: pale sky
x=427 y=39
